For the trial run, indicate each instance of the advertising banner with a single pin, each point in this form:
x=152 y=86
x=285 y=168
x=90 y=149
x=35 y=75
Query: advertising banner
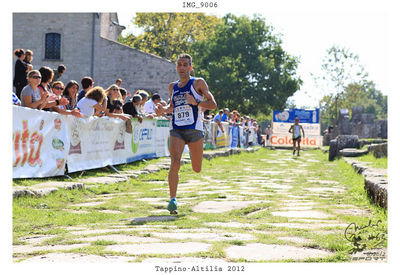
x=234 y=132
x=305 y=116
x=162 y=138
x=40 y=143
x=310 y=129
x=92 y=141
x=286 y=141
x=208 y=135
x=222 y=138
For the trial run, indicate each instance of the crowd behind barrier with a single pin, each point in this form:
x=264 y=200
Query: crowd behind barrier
x=48 y=144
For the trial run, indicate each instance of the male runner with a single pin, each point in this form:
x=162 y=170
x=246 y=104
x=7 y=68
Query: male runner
x=295 y=129
x=186 y=126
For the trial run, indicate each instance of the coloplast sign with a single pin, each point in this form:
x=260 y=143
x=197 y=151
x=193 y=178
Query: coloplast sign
x=287 y=141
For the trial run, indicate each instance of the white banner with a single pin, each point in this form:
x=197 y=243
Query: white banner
x=310 y=129
x=40 y=143
x=162 y=138
x=92 y=141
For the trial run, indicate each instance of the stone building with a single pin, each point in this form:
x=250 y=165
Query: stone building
x=86 y=43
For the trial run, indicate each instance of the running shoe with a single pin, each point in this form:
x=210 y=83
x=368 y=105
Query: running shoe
x=173 y=207
x=294 y=152
x=298 y=154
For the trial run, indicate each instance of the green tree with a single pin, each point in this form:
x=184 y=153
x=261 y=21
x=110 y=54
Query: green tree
x=169 y=34
x=340 y=67
x=245 y=66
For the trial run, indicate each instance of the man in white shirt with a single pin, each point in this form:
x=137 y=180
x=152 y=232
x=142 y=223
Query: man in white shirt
x=150 y=104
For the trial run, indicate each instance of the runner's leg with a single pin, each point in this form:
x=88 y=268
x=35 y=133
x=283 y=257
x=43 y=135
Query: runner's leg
x=176 y=146
x=298 y=146
x=196 y=154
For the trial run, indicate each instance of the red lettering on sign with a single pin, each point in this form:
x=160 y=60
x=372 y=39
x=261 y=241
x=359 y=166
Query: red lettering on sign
x=25 y=136
x=17 y=136
x=36 y=159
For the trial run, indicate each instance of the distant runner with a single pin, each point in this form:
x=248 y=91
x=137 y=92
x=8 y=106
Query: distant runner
x=295 y=130
x=186 y=126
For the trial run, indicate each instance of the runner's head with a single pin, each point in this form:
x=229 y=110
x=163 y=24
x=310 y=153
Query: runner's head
x=296 y=120
x=184 y=65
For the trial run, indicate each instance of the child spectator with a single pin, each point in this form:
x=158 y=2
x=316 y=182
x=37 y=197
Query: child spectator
x=57 y=89
x=92 y=101
x=114 y=99
x=70 y=93
x=87 y=84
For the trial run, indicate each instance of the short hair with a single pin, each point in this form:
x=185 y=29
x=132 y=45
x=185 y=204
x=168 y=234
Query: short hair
x=61 y=68
x=136 y=98
x=55 y=83
x=86 y=82
x=19 y=52
x=97 y=93
x=221 y=111
x=155 y=97
x=185 y=55
x=47 y=74
x=123 y=91
x=118 y=80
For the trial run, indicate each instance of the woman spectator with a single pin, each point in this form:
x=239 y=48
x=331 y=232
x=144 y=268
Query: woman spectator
x=28 y=57
x=92 y=101
x=70 y=93
x=57 y=89
x=20 y=72
x=114 y=100
x=30 y=95
x=44 y=86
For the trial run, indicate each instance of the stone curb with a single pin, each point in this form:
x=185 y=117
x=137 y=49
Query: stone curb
x=375 y=181
x=46 y=188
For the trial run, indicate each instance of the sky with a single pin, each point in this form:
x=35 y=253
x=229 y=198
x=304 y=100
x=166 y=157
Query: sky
x=308 y=33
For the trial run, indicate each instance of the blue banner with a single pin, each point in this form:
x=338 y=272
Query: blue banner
x=305 y=116
x=234 y=131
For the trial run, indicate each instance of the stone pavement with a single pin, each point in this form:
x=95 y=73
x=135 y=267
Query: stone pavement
x=256 y=214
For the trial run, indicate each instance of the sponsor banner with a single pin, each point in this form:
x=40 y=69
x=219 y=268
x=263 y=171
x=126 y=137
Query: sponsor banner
x=305 y=116
x=242 y=137
x=143 y=140
x=310 y=129
x=208 y=135
x=40 y=143
x=222 y=138
x=92 y=141
x=162 y=138
x=286 y=141
x=234 y=136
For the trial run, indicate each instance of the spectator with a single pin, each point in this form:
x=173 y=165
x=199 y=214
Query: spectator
x=123 y=94
x=132 y=107
x=30 y=95
x=225 y=115
x=118 y=82
x=87 y=84
x=20 y=72
x=150 y=104
x=59 y=72
x=57 y=89
x=217 y=119
x=44 y=87
x=92 y=101
x=28 y=57
x=145 y=96
x=70 y=93
x=114 y=100
x=268 y=133
x=15 y=99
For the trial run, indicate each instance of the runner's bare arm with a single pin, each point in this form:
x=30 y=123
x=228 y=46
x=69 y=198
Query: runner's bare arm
x=291 y=129
x=201 y=86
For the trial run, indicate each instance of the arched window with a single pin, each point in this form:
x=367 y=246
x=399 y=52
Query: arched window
x=53 y=46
